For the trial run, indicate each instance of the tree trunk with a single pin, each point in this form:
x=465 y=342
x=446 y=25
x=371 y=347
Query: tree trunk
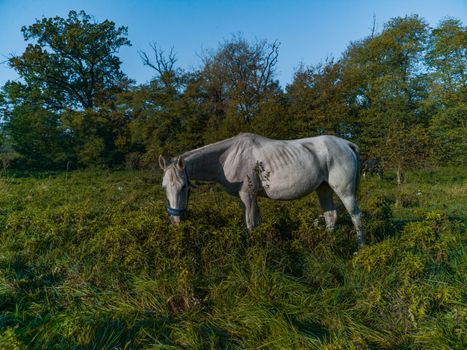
x=399 y=175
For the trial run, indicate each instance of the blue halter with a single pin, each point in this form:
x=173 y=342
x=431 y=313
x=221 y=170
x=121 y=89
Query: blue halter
x=176 y=212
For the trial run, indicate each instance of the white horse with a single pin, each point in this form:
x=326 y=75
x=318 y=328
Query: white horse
x=249 y=165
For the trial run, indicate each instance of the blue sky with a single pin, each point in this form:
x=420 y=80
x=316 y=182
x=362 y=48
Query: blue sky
x=309 y=31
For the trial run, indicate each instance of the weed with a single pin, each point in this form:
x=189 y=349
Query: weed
x=89 y=261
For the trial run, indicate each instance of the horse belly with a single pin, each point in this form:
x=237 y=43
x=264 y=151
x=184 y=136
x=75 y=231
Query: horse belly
x=291 y=183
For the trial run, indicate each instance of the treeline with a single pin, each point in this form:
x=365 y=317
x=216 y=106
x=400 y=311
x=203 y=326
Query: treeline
x=400 y=94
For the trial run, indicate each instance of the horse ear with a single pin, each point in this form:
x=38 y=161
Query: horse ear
x=162 y=163
x=180 y=163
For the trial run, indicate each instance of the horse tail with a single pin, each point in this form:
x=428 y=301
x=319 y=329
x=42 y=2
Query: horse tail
x=356 y=151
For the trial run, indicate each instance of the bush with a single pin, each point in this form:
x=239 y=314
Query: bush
x=378 y=216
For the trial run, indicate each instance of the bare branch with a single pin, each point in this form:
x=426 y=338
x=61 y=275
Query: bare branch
x=164 y=64
x=373 y=28
x=268 y=67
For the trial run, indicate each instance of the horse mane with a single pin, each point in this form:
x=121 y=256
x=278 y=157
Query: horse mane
x=216 y=146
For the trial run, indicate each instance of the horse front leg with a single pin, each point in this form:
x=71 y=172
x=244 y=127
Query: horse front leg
x=250 y=206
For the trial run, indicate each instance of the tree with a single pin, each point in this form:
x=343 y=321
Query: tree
x=447 y=54
x=239 y=75
x=71 y=75
x=32 y=131
x=73 y=63
x=318 y=101
x=447 y=100
x=154 y=119
x=164 y=66
x=387 y=83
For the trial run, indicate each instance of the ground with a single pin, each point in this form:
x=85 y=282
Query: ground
x=88 y=260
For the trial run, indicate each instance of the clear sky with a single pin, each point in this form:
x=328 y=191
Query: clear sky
x=309 y=31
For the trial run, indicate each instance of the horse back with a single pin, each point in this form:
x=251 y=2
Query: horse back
x=288 y=168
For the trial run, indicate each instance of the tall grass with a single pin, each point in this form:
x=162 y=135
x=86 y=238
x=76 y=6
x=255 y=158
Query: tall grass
x=88 y=261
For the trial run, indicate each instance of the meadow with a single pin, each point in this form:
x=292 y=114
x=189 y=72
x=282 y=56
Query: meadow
x=89 y=261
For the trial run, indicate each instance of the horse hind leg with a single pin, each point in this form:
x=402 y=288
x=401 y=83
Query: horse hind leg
x=325 y=194
x=350 y=203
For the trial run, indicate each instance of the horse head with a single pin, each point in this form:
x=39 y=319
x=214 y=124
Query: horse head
x=177 y=188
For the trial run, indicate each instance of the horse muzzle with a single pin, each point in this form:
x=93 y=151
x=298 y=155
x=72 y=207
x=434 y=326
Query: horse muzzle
x=175 y=220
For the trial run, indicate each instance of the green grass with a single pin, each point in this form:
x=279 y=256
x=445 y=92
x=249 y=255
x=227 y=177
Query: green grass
x=88 y=261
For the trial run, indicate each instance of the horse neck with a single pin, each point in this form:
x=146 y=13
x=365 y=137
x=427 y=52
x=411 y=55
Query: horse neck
x=204 y=163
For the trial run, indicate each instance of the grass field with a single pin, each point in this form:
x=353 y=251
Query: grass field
x=88 y=261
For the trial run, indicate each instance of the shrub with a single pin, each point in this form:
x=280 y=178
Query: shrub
x=89 y=260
